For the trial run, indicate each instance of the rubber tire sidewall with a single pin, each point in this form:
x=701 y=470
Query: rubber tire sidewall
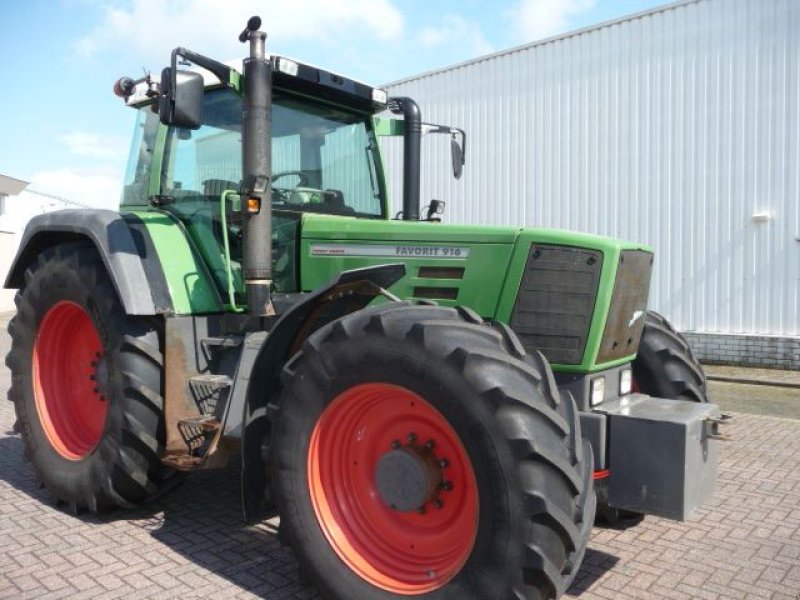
x=88 y=480
x=496 y=555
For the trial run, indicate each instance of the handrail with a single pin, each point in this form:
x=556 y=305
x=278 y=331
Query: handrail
x=229 y=272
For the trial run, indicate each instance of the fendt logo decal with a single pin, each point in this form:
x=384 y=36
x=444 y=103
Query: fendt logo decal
x=389 y=251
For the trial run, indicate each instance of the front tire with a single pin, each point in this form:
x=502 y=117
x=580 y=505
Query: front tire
x=86 y=385
x=496 y=498
x=665 y=366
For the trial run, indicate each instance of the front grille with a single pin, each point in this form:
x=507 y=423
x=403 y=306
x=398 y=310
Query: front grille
x=628 y=305
x=554 y=307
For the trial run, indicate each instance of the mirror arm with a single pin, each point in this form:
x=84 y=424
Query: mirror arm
x=433 y=128
x=222 y=71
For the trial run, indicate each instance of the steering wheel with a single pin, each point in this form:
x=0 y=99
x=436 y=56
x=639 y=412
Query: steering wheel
x=304 y=178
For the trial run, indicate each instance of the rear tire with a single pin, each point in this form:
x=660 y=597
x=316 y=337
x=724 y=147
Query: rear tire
x=475 y=389
x=93 y=431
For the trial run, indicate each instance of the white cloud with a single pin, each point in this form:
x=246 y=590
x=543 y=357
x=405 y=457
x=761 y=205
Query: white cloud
x=538 y=19
x=97 y=187
x=149 y=29
x=455 y=30
x=95 y=145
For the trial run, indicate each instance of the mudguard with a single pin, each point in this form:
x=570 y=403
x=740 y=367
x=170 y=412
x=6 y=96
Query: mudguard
x=122 y=242
x=348 y=292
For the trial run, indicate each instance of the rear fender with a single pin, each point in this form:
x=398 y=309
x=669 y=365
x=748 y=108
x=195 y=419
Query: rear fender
x=121 y=240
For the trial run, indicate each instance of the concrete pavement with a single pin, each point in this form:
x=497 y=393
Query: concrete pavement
x=192 y=544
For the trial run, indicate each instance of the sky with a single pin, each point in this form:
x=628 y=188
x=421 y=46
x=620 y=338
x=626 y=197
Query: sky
x=63 y=130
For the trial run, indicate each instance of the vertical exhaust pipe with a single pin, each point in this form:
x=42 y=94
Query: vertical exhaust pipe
x=412 y=142
x=257 y=172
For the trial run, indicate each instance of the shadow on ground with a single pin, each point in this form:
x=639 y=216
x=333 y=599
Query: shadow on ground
x=595 y=564
x=202 y=521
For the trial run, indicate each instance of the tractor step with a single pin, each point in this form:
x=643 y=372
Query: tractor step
x=197 y=432
x=210 y=391
x=210 y=380
x=213 y=345
x=228 y=341
x=205 y=422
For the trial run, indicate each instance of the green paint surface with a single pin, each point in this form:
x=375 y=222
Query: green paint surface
x=493 y=269
x=328 y=227
x=484 y=269
x=385 y=126
x=190 y=285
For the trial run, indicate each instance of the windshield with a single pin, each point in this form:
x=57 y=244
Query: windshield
x=323 y=158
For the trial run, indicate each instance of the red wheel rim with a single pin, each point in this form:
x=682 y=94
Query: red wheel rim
x=406 y=553
x=65 y=355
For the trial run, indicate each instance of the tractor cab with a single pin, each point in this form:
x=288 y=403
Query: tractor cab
x=325 y=159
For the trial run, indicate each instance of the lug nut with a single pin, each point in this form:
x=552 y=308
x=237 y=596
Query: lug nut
x=396 y=445
x=444 y=463
x=412 y=437
x=446 y=486
x=438 y=503
x=430 y=444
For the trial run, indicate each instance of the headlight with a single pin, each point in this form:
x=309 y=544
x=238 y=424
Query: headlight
x=625 y=382
x=598 y=390
x=288 y=66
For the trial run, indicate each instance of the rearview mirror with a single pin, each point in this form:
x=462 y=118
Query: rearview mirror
x=457 y=156
x=183 y=105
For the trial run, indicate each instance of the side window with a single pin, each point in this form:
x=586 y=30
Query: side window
x=347 y=165
x=198 y=166
x=202 y=163
x=137 y=174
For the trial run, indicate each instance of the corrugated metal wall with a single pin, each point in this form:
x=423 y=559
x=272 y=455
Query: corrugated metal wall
x=673 y=127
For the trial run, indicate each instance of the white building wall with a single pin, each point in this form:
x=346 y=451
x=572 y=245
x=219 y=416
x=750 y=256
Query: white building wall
x=17 y=211
x=679 y=127
x=7 y=244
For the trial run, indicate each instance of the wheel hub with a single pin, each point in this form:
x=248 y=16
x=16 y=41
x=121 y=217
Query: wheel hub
x=408 y=478
x=100 y=375
x=393 y=488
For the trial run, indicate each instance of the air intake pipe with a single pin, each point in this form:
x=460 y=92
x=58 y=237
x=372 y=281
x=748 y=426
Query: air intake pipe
x=256 y=163
x=412 y=142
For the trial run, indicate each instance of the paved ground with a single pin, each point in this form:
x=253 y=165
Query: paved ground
x=191 y=544
x=785 y=377
x=756 y=399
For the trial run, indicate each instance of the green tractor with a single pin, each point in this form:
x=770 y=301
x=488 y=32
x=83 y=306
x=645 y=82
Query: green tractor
x=433 y=410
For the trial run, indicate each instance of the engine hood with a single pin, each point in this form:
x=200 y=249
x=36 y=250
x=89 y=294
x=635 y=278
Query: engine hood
x=326 y=227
